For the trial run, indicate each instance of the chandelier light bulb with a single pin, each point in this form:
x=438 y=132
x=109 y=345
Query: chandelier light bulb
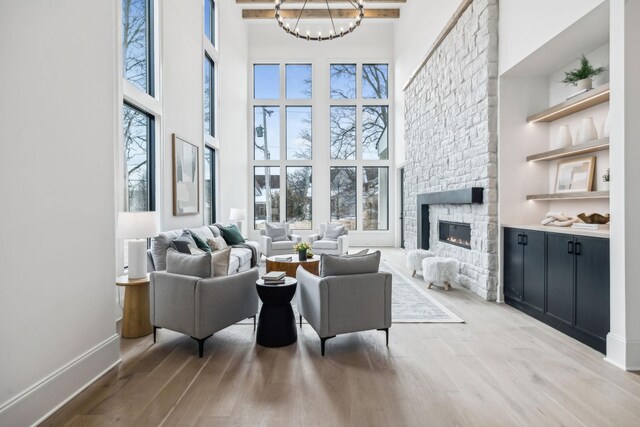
x=358 y=5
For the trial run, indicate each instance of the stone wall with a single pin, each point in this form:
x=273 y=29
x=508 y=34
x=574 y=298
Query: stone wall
x=451 y=142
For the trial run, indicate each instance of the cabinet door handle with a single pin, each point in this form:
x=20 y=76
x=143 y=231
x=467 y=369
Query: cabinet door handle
x=578 y=248
x=519 y=239
x=570 y=247
x=525 y=239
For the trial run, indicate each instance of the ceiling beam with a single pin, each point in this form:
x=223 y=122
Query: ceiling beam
x=320 y=13
x=314 y=1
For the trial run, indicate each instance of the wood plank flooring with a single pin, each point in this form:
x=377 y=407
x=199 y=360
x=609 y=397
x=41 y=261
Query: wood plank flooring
x=500 y=368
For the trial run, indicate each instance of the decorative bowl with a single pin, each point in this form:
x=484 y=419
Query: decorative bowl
x=594 y=218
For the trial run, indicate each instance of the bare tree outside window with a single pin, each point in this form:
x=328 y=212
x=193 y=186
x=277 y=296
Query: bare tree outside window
x=343 y=81
x=344 y=196
x=299 y=197
x=135 y=42
x=136 y=150
x=375 y=81
x=375 y=138
x=375 y=198
x=343 y=133
x=266 y=195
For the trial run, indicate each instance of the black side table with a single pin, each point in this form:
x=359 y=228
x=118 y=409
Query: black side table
x=276 y=324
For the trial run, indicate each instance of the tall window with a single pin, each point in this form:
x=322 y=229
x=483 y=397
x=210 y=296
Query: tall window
x=282 y=144
x=137 y=43
x=209 y=96
x=210 y=20
x=139 y=158
x=209 y=185
x=358 y=129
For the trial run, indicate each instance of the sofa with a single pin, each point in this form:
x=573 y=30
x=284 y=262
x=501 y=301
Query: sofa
x=240 y=259
x=271 y=248
x=321 y=245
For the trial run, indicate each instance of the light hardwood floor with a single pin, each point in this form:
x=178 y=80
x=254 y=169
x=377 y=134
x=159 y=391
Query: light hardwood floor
x=499 y=368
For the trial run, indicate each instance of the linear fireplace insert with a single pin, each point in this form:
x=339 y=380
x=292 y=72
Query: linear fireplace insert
x=455 y=233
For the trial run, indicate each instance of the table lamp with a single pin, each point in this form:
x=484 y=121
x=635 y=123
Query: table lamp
x=137 y=226
x=238 y=215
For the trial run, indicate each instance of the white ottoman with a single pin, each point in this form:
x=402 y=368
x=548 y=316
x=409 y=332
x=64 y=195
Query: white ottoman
x=414 y=259
x=440 y=271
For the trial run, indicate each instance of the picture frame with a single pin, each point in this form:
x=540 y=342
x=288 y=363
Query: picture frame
x=575 y=175
x=186 y=177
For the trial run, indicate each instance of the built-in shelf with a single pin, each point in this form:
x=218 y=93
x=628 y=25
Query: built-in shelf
x=577 y=103
x=570 y=196
x=587 y=147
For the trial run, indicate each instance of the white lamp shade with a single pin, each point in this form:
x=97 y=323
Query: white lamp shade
x=138 y=225
x=237 y=214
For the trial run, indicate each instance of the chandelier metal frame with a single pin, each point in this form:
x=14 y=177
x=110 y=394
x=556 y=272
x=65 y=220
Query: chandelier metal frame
x=333 y=33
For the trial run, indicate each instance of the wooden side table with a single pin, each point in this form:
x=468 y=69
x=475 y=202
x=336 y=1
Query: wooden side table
x=312 y=265
x=135 y=315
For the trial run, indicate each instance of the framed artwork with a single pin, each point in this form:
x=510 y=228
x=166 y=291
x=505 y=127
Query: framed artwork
x=575 y=175
x=186 y=184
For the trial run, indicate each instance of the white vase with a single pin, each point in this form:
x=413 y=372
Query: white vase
x=605 y=186
x=563 y=139
x=605 y=128
x=588 y=131
x=585 y=84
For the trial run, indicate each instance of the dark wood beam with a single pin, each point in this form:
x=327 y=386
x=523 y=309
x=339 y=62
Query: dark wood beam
x=321 y=13
x=249 y=2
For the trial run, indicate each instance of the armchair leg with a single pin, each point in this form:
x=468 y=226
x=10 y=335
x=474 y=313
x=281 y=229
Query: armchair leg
x=322 y=342
x=254 y=323
x=301 y=321
x=386 y=331
x=155 y=328
x=201 y=344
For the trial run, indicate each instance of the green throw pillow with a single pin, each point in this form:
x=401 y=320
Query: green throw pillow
x=201 y=244
x=231 y=235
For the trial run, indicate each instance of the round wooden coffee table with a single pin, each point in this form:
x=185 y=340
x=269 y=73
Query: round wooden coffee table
x=312 y=265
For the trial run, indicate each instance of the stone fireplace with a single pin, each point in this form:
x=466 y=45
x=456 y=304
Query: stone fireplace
x=451 y=150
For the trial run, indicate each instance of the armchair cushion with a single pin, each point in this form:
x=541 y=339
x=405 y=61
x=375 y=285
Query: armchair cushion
x=334 y=265
x=181 y=244
x=277 y=232
x=188 y=265
x=325 y=244
x=333 y=231
x=281 y=246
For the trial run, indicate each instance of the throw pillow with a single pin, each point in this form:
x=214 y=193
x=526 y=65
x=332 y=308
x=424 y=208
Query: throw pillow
x=336 y=265
x=181 y=244
x=196 y=251
x=200 y=243
x=189 y=265
x=215 y=230
x=217 y=243
x=231 y=235
x=277 y=232
x=220 y=262
x=333 y=231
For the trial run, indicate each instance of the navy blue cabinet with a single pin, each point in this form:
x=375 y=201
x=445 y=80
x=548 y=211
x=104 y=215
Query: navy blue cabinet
x=560 y=279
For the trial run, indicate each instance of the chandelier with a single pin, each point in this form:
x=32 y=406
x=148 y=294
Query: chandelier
x=334 y=32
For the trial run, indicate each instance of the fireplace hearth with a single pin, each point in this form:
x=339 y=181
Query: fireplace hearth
x=455 y=233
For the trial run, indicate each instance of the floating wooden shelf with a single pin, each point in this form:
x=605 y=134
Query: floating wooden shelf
x=587 y=147
x=570 y=196
x=577 y=103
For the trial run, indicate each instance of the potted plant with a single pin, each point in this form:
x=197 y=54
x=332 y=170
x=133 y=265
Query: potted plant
x=581 y=76
x=302 y=249
x=605 y=180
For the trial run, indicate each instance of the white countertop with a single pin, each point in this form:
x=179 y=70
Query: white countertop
x=603 y=232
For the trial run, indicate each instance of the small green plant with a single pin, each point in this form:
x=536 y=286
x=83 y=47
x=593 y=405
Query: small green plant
x=585 y=71
x=606 y=177
x=302 y=246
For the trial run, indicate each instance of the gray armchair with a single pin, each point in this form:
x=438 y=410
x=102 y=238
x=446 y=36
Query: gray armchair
x=201 y=307
x=346 y=303
x=319 y=246
x=270 y=248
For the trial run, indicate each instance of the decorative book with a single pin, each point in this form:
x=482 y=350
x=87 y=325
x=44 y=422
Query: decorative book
x=282 y=259
x=274 y=275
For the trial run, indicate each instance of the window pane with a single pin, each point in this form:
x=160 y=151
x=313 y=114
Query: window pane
x=210 y=20
x=299 y=197
x=375 y=198
x=298 y=133
x=298 y=81
x=137 y=130
x=266 y=81
x=343 y=81
x=209 y=106
x=343 y=196
x=266 y=135
x=374 y=81
x=375 y=138
x=343 y=133
x=135 y=43
x=209 y=186
x=266 y=195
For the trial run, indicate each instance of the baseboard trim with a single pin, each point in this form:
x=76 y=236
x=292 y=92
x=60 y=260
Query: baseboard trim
x=624 y=354
x=36 y=403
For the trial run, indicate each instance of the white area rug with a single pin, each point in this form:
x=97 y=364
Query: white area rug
x=411 y=304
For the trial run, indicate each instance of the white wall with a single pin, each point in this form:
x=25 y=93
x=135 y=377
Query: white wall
x=419 y=25
x=373 y=41
x=527 y=25
x=58 y=115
